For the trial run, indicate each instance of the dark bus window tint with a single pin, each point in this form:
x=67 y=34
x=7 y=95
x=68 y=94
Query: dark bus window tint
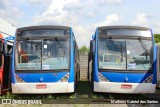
x=129 y=32
x=45 y=33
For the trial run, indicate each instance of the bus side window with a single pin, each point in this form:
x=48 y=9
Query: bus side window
x=75 y=52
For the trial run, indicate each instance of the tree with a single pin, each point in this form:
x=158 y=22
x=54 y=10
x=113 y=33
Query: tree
x=83 y=50
x=157 y=38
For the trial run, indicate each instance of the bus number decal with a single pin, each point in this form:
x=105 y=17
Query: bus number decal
x=124 y=86
x=41 y=86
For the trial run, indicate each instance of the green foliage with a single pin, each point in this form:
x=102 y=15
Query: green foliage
x=83 y=50
x=157 y=38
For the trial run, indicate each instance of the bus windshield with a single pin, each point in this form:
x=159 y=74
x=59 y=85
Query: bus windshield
x=42 y=54
x=125 y=54
x=139 y=55
x=112 y=54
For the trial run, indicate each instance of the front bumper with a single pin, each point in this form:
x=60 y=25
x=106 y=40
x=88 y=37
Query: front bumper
x=113 y=87
x=30 y=88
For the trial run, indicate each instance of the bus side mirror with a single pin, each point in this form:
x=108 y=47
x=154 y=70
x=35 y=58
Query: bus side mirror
x=93 y=37
x=91 y=46
x=1 y=46
x=8 y=48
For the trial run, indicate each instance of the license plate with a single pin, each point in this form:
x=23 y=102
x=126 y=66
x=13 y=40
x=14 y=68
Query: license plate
x=41 y=86
x=124 y=86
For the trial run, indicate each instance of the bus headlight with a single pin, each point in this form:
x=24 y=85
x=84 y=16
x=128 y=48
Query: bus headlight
x=18 y=79
x=65 y=78
x=102 y=78
x=149 y=79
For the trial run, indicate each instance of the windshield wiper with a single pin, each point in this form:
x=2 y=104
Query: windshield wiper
x=113 y=40
x=143 y=46
x=31 y=41
x=120 y=48
x=35 y=45
x=57 y=39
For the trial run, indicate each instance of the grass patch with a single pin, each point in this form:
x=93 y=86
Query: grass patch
x=84 y=90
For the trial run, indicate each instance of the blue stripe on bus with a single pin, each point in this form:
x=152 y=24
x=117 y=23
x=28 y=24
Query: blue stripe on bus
x=95 y=70
x=155 y=60
x=155 y=66
x=71 y=77
x=121 y=77
x=41 y=77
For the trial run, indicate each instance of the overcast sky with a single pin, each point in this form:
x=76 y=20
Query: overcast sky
x=82 y=15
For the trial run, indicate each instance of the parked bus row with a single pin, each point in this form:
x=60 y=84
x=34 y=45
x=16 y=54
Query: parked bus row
x=45 y=59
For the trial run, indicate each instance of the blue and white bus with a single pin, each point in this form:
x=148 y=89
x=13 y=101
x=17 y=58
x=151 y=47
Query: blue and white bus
x=45 y=59
x=122 y=59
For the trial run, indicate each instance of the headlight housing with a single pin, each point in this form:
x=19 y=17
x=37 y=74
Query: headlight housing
x=102 y=78
x=65 y=78
x=149 y=79
x=18 y=79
